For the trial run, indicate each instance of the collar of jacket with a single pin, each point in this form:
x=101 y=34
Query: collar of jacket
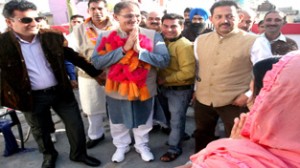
x=174 y=39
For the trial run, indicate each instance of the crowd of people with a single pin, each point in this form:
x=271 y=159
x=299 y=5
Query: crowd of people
x=146 y=68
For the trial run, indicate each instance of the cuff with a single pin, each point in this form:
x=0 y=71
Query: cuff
x=248 y=93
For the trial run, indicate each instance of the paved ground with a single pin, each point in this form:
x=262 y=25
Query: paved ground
x=33 y=159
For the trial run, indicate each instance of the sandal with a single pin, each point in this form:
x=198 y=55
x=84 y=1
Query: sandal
x=169 y=156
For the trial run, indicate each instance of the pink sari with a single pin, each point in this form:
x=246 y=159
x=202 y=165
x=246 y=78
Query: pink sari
x=272 y=128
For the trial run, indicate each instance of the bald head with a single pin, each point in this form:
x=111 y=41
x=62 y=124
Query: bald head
x=247 y=18
x=154 y=20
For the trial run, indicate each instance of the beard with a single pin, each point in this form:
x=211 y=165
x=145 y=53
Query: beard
x=197 y=27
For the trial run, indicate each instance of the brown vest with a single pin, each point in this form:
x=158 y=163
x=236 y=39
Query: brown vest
x=224 y=67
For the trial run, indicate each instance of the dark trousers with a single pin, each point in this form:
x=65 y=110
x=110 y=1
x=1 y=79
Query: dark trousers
x=67 y=110
x=164 y=105
x=206 y=118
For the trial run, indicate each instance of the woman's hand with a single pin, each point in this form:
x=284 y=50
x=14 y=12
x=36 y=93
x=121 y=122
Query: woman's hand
x=237 y=127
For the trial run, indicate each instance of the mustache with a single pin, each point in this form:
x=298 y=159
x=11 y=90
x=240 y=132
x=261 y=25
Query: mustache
x=99 y=16
x=225 y=24
x=271 y=25
x=153 y=23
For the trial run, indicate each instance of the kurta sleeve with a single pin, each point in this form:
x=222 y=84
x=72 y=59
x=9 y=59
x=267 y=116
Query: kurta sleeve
x=159 y=57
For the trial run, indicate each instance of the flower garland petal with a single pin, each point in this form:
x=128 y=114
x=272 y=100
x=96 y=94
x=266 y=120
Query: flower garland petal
x=128 y=76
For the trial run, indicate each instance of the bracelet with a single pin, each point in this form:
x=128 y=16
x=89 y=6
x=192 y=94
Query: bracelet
x=123 y=50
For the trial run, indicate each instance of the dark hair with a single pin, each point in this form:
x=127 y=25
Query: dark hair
x=276 y=11
x=223 y=3
x=260 y=22
x=91 y=1
x=76 y=16
x=259 y=71
x=124 y=4
x=21 y=5
x=144 y=13
x=173 y=16
x=188 y=9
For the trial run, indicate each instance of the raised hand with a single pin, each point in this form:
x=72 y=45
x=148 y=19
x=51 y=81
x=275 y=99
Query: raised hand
x=237 y=127
x=132 y=38
x=136 y=46
x=240 y=101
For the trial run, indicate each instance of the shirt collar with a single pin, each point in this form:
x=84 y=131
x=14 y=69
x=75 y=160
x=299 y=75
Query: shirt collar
x=281 y=37
x=174 y=39
x=34 y=40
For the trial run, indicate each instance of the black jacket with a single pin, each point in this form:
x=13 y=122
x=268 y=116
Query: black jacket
x=15 y=83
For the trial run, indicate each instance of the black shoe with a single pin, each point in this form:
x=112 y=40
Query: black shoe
x=185 y=137
x=49 y=163
x=166 y=130
x=155 y=128
x=93 y=142
x=88 y=160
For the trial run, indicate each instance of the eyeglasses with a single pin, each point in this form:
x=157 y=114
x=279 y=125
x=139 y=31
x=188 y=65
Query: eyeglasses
x=275 y=20
x=27 y=20
x=131 y=16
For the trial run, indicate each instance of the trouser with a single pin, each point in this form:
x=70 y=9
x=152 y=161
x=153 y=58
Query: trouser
x=69 y=113
x=206 y=118
x=93 y=103
x=51 y=123
x=164 y=105
x=121 y=136
x=177 y=102
x=96 y=129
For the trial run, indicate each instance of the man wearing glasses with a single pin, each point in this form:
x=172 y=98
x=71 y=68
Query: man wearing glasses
x=34 y=79
x=131 y=56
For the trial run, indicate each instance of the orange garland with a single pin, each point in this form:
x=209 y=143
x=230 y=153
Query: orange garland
x=128 y=76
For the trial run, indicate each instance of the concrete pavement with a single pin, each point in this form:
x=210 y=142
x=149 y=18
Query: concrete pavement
x=33 y=159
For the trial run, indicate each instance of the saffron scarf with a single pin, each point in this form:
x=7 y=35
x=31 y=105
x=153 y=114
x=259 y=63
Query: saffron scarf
x=128 y=76
x=91 y=33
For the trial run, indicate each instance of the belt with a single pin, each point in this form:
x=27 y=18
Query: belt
x=46 y=90
x=184 y=87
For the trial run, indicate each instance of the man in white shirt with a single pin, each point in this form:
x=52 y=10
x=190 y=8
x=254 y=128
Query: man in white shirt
x=34 y=79
x=279 y=44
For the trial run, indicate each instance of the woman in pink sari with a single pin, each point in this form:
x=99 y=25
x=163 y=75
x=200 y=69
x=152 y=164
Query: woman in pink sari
x=269 y=135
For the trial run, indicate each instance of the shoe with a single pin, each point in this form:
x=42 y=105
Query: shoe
x=145 y=153
x=155 y=128
x=185 y=137
x=119 y=155
x=166 y=130
x=93 y=142
x=169 y=156
x=50 y=163
x=88 y=160
x=53 y=137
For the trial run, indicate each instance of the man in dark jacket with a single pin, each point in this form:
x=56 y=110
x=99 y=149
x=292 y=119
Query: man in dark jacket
x=34 y=79
x=198 y=25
